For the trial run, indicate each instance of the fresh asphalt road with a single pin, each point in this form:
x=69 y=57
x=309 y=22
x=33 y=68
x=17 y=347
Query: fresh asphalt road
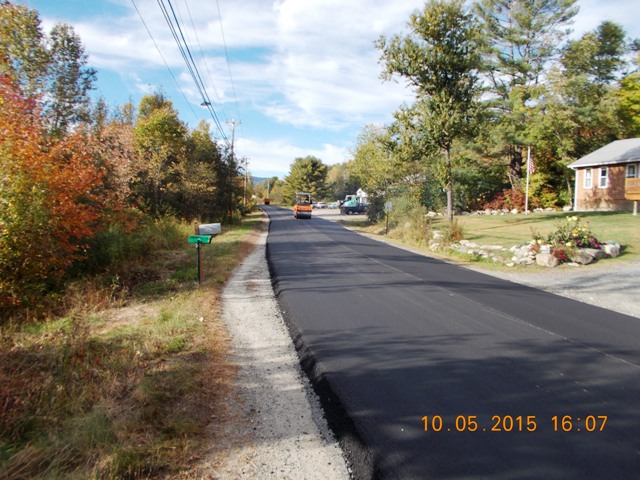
x=398 y=337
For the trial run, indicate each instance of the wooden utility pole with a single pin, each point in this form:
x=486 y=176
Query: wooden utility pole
x=233 y=124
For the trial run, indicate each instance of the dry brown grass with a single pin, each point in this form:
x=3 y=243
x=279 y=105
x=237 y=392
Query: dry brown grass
x=130 y=382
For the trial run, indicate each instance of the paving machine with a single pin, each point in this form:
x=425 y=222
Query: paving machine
x=302 y=208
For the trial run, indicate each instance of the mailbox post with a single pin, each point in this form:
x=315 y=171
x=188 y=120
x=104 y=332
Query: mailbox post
x=203 y=236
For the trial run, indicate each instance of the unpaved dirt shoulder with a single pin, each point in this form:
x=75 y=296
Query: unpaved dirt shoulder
x=284 y=434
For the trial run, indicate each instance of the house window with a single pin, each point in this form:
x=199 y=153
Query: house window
x=588 y=178
x=632 y=170
x=603 y=179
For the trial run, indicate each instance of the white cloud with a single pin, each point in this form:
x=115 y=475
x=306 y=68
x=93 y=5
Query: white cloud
x=594 y=12
x=317 y=65
x=274 y=157
x=305 y=65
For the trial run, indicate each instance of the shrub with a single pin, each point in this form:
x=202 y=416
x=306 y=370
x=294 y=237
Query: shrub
x=453 y=232
x=50 y=204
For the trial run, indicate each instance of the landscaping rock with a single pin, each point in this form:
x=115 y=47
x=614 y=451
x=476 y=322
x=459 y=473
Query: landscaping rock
x=547 y=260
x=596 y=253
x=545 y=249
x=611 y=249
x=582 y=257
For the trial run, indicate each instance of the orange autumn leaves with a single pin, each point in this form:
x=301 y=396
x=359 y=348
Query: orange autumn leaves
x=49 y=205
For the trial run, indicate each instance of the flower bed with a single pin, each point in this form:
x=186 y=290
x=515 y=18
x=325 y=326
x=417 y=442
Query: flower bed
x=569 y=236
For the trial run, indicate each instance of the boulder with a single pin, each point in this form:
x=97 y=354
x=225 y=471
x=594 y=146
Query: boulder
x=582 y=257
x=610 y=249
x=547 y=260
x=523 y=254
x=545 y=249
x=596 y=253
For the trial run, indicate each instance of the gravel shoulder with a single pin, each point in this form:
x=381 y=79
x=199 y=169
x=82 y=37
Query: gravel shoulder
x=284 y=434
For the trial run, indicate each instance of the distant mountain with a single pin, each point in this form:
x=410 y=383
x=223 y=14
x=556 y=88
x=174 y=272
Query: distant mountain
x=257 y=180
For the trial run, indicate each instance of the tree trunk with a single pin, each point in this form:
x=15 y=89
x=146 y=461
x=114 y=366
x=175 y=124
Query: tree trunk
x=449 y=185
x=515 y=165
x=570 y=189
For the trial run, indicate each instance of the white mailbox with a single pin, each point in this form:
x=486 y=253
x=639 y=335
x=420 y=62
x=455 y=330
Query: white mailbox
x=210 y=229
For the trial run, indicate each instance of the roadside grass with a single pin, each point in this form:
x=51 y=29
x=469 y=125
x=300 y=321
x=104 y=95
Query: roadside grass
x=124 y=385
x=509 y=230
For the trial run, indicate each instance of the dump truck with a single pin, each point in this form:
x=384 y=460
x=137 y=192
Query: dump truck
x=352 y=204
x=302 y=208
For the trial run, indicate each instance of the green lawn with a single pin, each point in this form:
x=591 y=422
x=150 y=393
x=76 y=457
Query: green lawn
x=508 y=230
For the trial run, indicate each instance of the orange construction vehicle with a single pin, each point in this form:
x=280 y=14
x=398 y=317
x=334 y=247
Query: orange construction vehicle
x=302 y=208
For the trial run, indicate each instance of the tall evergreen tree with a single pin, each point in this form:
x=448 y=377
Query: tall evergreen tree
x=522 y=36
x=598 y=54
x=307 y=174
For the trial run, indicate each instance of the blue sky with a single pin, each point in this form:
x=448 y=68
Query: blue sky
x=302 y=76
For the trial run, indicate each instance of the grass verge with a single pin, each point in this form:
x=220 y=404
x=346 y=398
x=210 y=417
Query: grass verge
x=126 y=388
x=509 y=230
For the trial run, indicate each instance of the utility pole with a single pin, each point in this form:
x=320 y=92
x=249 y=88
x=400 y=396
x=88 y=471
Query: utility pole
x=245 y=162
x=233 y=124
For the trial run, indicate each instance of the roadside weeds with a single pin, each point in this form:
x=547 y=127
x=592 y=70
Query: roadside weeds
x=131 y=391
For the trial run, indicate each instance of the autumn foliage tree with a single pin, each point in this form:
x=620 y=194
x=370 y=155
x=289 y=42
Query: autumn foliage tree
x=48 y=205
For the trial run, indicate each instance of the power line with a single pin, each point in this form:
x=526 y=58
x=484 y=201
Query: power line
x=226 y=53
x=163 y=59
x=179 y=38
x=204 y=59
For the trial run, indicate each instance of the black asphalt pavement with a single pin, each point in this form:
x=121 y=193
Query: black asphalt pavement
x=514 y=382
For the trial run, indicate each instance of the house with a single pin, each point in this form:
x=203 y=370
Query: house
x=364 y=197
x=609 y=178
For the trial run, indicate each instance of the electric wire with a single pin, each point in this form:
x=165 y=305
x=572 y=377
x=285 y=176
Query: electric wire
x=233 y=88
x=187 y=56
x=163 y=59
x=204 y=59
